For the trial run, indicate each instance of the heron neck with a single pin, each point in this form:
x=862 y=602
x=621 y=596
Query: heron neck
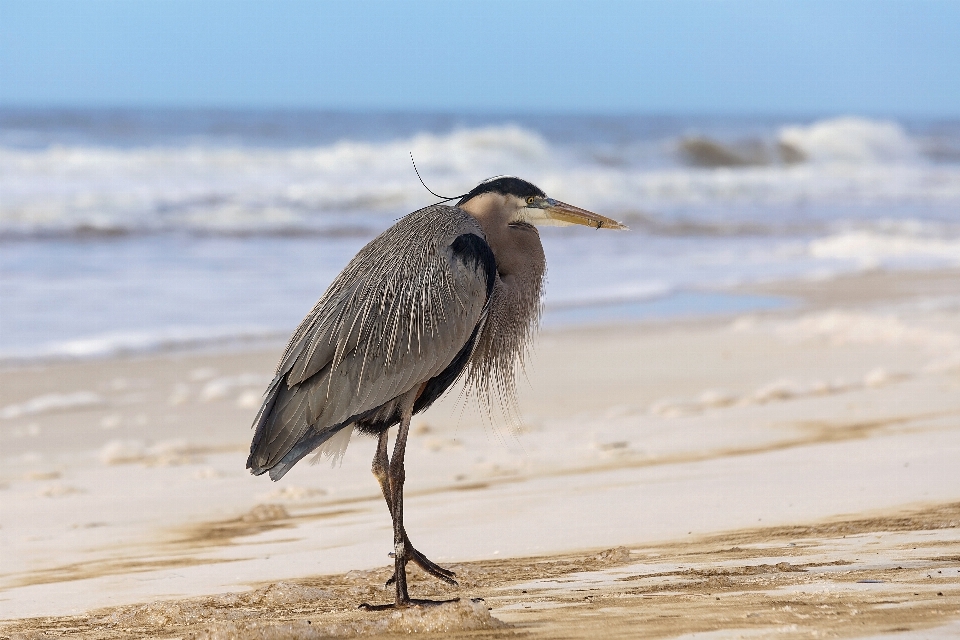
x=513 y=313
x=518 y=251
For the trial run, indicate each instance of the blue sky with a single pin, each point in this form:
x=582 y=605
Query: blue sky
x=678 y=56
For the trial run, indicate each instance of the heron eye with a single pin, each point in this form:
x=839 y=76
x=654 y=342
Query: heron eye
x=530 y=200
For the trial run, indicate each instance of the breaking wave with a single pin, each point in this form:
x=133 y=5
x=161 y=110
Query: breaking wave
x=353 y=186
x=845 y=140
x=851 y=141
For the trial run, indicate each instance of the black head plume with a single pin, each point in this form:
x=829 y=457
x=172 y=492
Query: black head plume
x=442 y=199
x=505 y=185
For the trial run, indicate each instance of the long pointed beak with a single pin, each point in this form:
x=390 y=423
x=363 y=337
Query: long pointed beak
x=562 y=213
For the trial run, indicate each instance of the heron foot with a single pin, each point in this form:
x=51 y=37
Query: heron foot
x=412 y=602
x=438 y=572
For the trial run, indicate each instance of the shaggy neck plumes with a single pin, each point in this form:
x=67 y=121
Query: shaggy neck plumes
x=515 y=304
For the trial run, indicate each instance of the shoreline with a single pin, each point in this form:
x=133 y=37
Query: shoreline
x=788 y=296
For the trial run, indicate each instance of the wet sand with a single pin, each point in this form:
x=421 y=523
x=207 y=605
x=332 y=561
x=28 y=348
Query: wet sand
x=843 y=578
x=790 y=473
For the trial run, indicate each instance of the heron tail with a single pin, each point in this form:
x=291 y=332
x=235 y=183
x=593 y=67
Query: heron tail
x=306 y=444
x=282 y=433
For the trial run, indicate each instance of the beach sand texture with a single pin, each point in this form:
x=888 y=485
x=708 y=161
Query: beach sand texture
x=784 y=474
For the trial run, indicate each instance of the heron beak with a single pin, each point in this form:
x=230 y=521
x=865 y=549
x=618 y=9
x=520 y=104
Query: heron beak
x=562 y=214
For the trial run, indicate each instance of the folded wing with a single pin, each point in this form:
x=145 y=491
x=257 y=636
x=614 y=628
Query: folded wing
x=403 y=314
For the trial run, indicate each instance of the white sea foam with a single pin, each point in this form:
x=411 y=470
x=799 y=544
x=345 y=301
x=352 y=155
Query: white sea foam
x=335 y=188
x=102 y=189
x=871 y=249
x=51 y=402
x=609 y=293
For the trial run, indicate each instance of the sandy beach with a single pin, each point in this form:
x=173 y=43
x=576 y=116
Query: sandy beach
x=789 y=473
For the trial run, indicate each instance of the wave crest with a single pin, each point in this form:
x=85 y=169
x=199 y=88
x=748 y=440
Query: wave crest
x=851 y=140
x=350 y=185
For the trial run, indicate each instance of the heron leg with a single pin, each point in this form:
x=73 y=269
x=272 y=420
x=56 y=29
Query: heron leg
x=390 y=473
x=380 y=468
x=396 y=476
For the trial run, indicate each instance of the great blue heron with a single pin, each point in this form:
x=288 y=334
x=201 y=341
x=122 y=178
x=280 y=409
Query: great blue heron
x=446 y=292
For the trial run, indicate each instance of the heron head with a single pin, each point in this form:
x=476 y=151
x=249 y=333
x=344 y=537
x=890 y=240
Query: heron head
x=515 y=201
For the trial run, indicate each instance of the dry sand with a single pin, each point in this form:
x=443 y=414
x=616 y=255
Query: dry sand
x=785 y=474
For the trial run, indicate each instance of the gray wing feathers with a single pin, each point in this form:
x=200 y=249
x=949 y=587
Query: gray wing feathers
x=396 y=316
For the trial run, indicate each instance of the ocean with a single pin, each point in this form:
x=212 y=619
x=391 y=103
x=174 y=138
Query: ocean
x=125 y=231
